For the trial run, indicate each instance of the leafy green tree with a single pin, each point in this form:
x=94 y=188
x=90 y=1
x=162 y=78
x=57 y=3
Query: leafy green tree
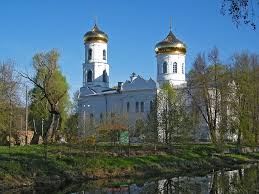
x=50 y=86
x=245 y=94
x=71 y=128
x=174 y=121
x=139 y=128
x=39 y=115
x=151 y=126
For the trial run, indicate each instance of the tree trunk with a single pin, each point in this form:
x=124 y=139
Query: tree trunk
x=55 y=123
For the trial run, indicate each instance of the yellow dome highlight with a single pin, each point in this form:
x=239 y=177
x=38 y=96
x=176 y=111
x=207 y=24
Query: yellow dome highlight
x=95 y=35
x=170 y=45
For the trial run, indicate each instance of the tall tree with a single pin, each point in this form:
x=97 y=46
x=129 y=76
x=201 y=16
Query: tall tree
x=245 y=92
x=207 y=87
x=50 y=85
x=255 y=95
x=174 y=122
x=71 y=126
x=151 y=127
x=9 y=98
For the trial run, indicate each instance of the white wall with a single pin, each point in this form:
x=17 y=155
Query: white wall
x=173 y=78
x=96 y=64
x=97 y=54
x=115 y=102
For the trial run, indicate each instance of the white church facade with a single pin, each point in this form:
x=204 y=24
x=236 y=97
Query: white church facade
x=134 y=97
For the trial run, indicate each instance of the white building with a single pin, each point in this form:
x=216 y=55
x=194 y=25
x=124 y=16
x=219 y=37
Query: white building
x=133 y=97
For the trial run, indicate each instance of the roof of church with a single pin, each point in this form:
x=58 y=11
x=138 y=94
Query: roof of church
x=137 y=84
x=170 y=45
x=95 y=35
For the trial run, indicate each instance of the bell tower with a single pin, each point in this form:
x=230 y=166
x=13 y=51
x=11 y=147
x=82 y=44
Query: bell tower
x=170 y=54
x=95 y=67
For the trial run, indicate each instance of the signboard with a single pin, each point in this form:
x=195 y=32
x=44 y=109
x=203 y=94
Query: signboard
x=124 y=137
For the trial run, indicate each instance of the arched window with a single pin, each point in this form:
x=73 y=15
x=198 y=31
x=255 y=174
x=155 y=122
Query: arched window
x=104 y=54
x=165 y=67
x=89 y=76
x=175 y=67
x=142 y=107
x=85 y=76
x=128 y=106
x=183 y=68
x=104 y=76
x=89 y=54
x=137 y=106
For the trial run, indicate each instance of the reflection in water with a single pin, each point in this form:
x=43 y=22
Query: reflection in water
x=240 y=181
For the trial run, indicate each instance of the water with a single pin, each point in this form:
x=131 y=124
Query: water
x=244 y=179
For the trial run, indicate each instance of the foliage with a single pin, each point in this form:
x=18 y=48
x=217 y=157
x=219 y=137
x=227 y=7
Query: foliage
x=227 y=96
x=111 y=128
x=245 y=97
x=71 y=128
x=139 y=127
x=10 y=106
x=241 y=11
x=50 y=92
x=208 y=89
x=173 y=118
x=151 y=126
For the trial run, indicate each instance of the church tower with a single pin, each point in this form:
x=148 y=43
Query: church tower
x=170 y=54
x=95 y=67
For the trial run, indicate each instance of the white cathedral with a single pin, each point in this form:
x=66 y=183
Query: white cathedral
x=133 y=97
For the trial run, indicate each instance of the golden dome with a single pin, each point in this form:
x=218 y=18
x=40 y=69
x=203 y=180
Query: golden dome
x=170 y=45
x=95 y=35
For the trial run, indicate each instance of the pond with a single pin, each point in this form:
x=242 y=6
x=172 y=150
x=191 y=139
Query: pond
x=244 y=179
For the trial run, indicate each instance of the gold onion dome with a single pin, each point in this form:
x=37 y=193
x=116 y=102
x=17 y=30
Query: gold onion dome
x=170 y=45
x=95 y=35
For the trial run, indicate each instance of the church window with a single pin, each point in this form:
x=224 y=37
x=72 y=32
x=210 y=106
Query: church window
x=128 y=106
x=104 y=54
x=90 y=54
x=165 y=67
x=104 y=76
x=183 y=68
x=142 y=106
x=89 y=76
x=137 y=106
x=175 y=67
x=85 y=76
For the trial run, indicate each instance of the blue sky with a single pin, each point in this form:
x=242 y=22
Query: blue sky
x=133 y=27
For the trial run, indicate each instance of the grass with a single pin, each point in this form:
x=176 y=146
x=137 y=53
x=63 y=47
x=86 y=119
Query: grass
x=26 y=166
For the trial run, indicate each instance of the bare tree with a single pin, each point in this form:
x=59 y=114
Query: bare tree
x=207 y=89
x=241 y=11
x=9 y=96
